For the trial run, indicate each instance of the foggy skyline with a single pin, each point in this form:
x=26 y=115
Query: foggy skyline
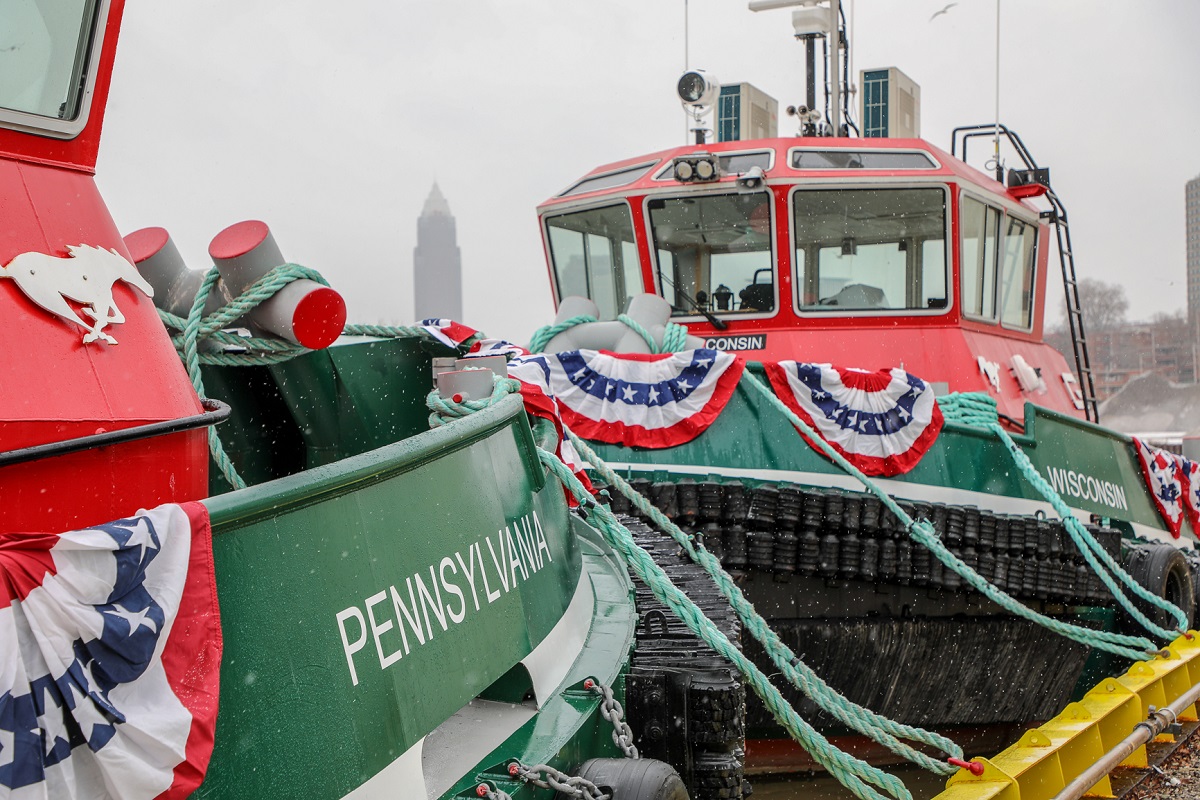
x=331 y=123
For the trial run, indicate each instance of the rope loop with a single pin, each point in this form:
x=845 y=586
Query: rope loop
x=542 y=336
x=674 y=335
x=447 y=409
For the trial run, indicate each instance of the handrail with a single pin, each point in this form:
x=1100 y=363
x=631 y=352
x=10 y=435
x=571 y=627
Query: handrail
x=1143 y=732
x=215 y=412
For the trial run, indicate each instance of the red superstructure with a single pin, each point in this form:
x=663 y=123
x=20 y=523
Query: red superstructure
x=55 y=386
x=860 y=252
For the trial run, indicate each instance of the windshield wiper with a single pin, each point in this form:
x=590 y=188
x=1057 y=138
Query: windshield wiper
x=713 y=320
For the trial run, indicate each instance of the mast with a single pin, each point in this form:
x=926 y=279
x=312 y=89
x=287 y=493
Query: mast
x=812 y=18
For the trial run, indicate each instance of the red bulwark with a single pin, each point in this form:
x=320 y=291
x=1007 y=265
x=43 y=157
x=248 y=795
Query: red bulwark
x=54 y=386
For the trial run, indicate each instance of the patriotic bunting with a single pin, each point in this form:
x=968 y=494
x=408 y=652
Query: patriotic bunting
x=1165 y=479
x=1191 y=491
x=448 y=332
x=632 y=399
x=881 y=422
x=110 y=654
x=494 y=347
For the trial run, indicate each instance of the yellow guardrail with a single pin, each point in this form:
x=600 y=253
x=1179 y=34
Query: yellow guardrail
x=1047 y=758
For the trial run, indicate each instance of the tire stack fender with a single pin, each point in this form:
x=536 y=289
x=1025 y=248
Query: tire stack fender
x=633 y=779
x=1165 y=571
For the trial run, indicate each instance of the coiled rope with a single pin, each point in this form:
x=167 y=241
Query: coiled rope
x=979 y=410
x=875 y=726
x=1135 y=648
x=858 y=776
x=674 y=335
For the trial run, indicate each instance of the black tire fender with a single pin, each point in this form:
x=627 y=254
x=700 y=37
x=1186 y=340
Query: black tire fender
x=1163 y=570
x=633 y=779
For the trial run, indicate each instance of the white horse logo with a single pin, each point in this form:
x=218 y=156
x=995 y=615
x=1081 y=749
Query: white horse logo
x=87 y=277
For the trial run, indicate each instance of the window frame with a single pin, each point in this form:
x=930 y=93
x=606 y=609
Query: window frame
x=994 y=319
x=1033 y=274
x=26 y=122
x=550 y=262
x=640 y=169
x=711 y=190
x=935 y=163
x=948 y=260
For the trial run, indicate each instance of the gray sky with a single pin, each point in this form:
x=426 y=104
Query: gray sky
x=331 y=121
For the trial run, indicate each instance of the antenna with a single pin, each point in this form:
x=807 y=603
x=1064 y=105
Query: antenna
x=687 y=65
x=996 y=139
x=817 y=18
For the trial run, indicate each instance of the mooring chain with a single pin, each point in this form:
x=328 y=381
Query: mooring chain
x=567 y=785
x=611 y=710
x=488 y=793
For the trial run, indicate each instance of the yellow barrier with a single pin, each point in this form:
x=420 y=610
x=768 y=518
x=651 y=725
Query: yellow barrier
x=1047 y=758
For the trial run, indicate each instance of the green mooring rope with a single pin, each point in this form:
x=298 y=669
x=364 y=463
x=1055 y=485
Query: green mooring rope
x=674 y=335
x=875 y=726
x=858 y=776
x=542 y=336
x=979 y=410
x=1135 y=648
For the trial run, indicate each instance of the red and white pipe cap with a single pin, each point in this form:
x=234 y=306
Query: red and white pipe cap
x=304 y=311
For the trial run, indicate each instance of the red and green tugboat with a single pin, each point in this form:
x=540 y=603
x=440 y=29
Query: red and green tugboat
x=847 y=272
x=379 y=609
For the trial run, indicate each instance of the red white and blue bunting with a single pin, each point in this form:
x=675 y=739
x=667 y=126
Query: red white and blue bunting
x=447 y=331
x=1165 y=478
x=881 y=422
x=110 y=654
x=1191 y=491
x=633 y=399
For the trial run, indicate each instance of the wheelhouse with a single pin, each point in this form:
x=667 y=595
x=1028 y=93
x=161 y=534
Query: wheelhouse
x=863 y=252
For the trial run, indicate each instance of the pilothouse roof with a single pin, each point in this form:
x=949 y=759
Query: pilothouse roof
x=791 y=159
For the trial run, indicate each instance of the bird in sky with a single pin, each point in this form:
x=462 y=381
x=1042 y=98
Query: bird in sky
x=943 y=11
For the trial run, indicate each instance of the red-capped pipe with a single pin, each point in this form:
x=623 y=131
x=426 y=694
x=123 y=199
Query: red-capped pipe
x=304 y=311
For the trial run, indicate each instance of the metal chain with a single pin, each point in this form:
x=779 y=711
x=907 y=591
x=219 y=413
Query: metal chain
x=488 y=793
x=612 y=711
x=568 y=785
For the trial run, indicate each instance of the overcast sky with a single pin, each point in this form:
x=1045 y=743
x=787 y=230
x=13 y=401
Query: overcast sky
x=331 y=121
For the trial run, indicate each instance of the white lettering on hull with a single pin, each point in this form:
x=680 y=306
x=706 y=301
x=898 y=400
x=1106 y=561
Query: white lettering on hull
x=436 y=598
x=1085 y=487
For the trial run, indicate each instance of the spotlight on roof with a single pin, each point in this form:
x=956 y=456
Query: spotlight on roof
x=696 y=168
x=697 y=88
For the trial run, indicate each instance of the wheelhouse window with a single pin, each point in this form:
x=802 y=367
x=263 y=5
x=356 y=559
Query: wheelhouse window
x=594 y=255
x=713 y=252
x=45 y=53
x=980 y=234
x=873 y=250
x=1016 y=274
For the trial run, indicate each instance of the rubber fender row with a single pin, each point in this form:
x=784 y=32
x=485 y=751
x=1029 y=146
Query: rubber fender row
x=929 y=671
x=842 y=535
x=686 y=704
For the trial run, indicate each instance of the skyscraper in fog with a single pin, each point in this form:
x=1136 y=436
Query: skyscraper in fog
x=437 y=266
x=1192 y=194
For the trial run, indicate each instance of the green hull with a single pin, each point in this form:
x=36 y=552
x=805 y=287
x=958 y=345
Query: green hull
x=367 y=602
x=1094 y=469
